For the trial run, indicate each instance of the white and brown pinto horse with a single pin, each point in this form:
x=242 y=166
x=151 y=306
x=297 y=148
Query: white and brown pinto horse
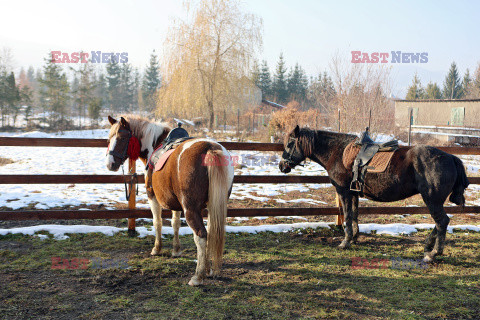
x=186 y=183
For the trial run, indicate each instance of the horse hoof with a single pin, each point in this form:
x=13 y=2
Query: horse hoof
x=176 y=254
x=344 y=245
x=195 y=282
x=428 y=259
x=213 y=274
x=155 y=252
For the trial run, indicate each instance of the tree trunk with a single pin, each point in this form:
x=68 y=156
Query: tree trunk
x=211 y=115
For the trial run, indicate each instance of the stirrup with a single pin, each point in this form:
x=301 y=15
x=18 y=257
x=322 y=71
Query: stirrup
x=356 y=186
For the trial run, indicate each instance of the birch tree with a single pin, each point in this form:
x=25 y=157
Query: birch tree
x=207 y=60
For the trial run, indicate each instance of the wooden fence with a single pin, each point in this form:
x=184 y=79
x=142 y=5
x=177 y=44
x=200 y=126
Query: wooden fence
x=132 y=213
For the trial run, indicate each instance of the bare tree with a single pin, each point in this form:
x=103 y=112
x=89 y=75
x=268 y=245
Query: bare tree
x=207 y=60
x=360 y=88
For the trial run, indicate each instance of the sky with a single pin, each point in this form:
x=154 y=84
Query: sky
x=305 y=31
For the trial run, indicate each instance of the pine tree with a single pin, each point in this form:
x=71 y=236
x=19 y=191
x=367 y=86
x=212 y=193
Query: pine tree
x=467 y=85
x=433 y=91
x=452 y=88
x=151 y=83
x=415 y=91
x=279 y=87
x=128 y=89
x=84 y=90
x=113 y=78
x=297 y=83
x=265 y=81
x=55 y=91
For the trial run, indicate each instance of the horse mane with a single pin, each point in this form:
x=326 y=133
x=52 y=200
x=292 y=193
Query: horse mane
x=144 y=128
x=308 y=139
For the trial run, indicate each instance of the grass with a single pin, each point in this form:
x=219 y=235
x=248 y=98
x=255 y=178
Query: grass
x=265 y=276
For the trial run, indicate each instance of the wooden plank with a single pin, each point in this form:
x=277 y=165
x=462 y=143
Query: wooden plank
x=252 y=146
x=89 y=179
x=100 y=179
x=53 y=142
x=102 y=143
x=281 y=179
x=232 y=212
x=62 y=179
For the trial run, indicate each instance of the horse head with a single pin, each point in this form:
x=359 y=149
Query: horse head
x=293 y=154
x=122 y=144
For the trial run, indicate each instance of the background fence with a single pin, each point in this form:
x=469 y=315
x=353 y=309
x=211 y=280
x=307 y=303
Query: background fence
x=132 y=213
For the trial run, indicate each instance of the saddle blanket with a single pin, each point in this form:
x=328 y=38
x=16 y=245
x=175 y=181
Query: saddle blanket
x=158 y=159
x=380 y=160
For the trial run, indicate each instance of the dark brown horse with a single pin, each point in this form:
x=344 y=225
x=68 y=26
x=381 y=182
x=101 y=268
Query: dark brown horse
x=187 y=182
x=421 y=169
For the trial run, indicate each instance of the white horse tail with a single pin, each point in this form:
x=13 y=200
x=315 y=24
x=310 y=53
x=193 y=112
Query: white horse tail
x=218 y=188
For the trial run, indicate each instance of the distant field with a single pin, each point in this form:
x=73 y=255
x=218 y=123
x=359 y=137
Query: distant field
x=265 y=276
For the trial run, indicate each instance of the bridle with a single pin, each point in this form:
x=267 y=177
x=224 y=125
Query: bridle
x=130 y=150
x=296 y=157
x=123 y=155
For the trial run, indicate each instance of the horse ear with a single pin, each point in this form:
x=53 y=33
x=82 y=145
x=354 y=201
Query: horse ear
x=296 y=131
x=111 y=120
x=124 y=123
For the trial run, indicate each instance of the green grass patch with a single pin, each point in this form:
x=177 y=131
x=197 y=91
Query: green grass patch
x=265 y=276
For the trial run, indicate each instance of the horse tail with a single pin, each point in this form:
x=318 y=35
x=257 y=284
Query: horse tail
x=461 y=183
x=218 y=191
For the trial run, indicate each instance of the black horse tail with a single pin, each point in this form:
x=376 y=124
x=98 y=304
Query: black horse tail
x=460 y=184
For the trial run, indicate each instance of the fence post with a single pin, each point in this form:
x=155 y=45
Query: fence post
x=132 y=201
x=339 y=219
x=410 y=113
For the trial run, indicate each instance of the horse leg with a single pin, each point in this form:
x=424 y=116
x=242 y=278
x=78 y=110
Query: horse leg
x=195 y=221
x=157 y=223
x=441 y=224
x=347 y=201
x=177 y=249
x=438 y=233
x=430 y=242
x=355 y=218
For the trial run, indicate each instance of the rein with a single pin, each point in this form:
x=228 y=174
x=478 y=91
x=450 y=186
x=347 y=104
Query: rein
x=133 y=181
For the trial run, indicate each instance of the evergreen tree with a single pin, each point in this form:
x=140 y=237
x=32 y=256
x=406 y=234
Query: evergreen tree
x=151 y=83
x=433 y=91
x=467 y=85
x=415 y=91
x=113 y=78
x=55 y=91
x=297 y=83
x=452 y=88
x=101 y=88
x=265 y=81
x=84 y=89
x=128 y=89
x=279 y=86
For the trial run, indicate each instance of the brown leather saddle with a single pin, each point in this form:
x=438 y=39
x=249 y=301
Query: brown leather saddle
x=369 y=156
x=173 y=140
x=158 y=158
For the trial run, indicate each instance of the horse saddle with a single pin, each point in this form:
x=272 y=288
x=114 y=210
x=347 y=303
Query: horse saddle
x=160 y=156
x=365 y=155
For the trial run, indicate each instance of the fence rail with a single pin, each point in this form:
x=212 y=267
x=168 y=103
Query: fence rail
x=134 y=213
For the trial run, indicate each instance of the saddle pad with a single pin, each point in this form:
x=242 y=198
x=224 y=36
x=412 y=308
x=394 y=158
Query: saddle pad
x=380 y=160
x=162 y=160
